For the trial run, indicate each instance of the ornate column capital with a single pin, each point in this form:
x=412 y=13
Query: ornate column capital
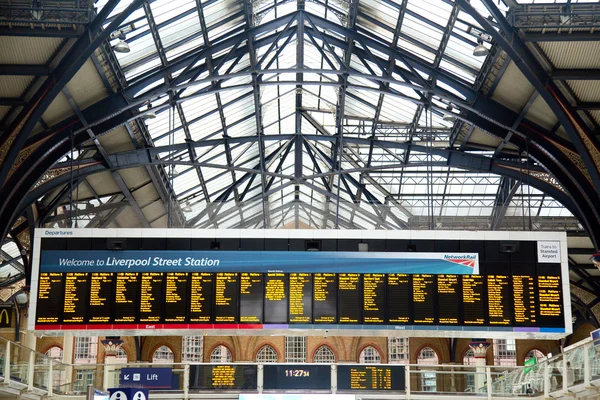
x=479 y=348
x=111 y=346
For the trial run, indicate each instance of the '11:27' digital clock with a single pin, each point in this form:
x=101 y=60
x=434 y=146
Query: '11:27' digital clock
x=308 y=377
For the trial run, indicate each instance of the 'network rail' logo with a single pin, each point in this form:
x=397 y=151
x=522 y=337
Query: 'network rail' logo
x=468 y=260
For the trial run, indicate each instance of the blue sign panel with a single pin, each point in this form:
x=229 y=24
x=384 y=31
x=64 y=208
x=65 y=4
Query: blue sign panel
x=128 y=394
x=258 y=261
x=151 y=378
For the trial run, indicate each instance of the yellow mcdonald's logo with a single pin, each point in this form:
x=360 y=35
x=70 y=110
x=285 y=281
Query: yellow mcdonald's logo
x=4 y=313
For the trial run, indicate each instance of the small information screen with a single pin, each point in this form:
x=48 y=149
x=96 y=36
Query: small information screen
x=350 y=299
x=399 y=298
x=366 y=377
x=126 y=297
x=325 y=298
x=176 y=296
x=301 y=287
x=76 y=297
x=276 y=298
x=473 y=299
x=374 y=298
x=223 y=377
x=500 y=300
x=226 y=297
x=50 y=298
x=251 y=297
x=448 y=298
x=300 y=376
x=201 y=295
x=151 y=296
x=101 y=295
x=423 y=296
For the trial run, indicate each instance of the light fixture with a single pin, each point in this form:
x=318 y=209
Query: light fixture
x=480 y=50
x=448 y=115
x=595 y=259
x=187 y=207
x=122 y=46
x=149 y=114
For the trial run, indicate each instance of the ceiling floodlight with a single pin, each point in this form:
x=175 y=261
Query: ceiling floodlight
x=149 y=114
x=480 y=50
x=122 y=46
x=187 y=207
x=448 y=115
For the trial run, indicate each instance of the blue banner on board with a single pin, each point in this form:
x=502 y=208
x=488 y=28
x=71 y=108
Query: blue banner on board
x=259 y=261
x=151 y=378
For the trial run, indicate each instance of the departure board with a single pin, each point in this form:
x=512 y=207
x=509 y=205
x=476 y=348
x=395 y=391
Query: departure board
x=201 y=297
x=367 y=377
x=324 y=298
x=296 y=377
x=50 y=298
x=276 y=298
x=151 y=296
x=76 y=297
x=550 y=300
x=449 y=298
x=374 y=298
x=101 y=295
x=223 y=377
x=524 y=300
x=350 y=301
x=300 y=302
x=500 y=300
x=251 y=297
x=473 y=299
x=226 y=297
x=424 y=303
x=126 y=297
x=399 y=298
x=176 y=297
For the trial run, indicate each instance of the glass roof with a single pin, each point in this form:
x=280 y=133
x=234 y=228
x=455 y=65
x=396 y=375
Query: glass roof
x=256 y=87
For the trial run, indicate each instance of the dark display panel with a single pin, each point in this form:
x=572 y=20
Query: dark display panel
x=223 y=377
x=276 y=298
x=301 y=287
x=399 y=298
x=301 y=377
x=251 y=297
x=151 y=285
x=424 y=303
x=201 y=297
x=524 y=300
x=126 y=297
x=500 y=300
x=76 y=297
x=50 y=298
x=324 y=298
x=374 y=299
x=366 y=377
x=176 y=297
x=101 y=297
x=551 y=311
x=226 y=297
x=449 y=298
x=350 y=299
x=474 y=300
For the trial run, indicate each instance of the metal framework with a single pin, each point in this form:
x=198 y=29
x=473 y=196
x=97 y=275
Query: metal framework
x=330 y=114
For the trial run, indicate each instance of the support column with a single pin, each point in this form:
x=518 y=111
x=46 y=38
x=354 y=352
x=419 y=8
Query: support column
x=111 y=348
x=30 y=340
x=67 y=359
x=480 y=350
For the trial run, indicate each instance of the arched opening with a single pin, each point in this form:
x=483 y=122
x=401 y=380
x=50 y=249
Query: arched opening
x=266 y=354
x=221 y=354
x=369 y=355
x=398 y=350
x=324 y=354
x=192 y=348
x=163 y=355
x=428 y=381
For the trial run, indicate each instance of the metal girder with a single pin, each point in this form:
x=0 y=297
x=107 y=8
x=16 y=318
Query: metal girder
x=576 y=74
x=92 y=37
x=586 y=144
x=588 y=106
x=506 y=190
x=87 y=211
x=46 y=32
x=24 y=70
x=565 y=36
x=12 y=102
